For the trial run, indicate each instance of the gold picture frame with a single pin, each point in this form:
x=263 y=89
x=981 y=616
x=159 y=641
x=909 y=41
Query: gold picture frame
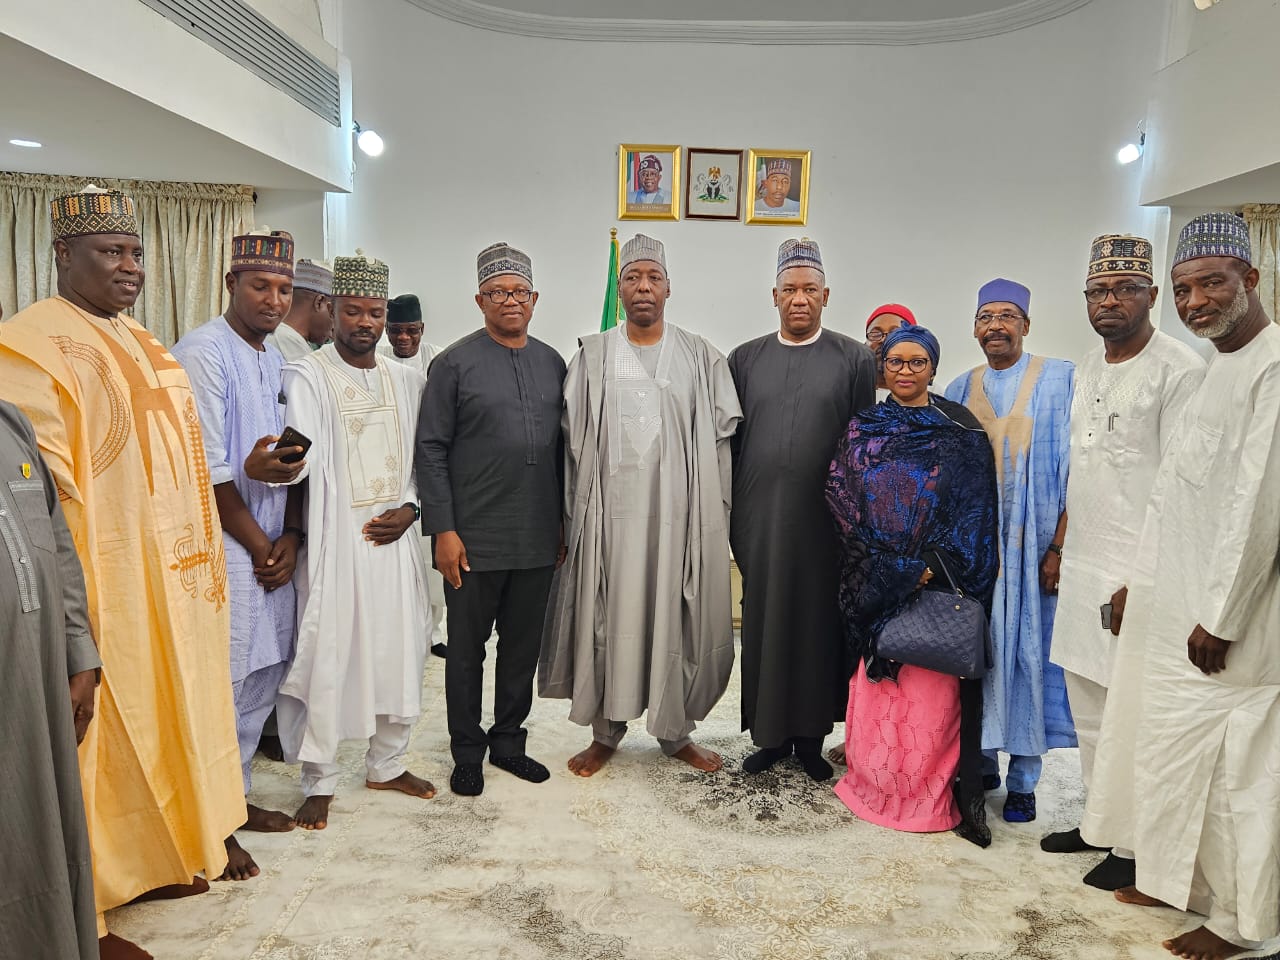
x=781 y=176
x=648 y=181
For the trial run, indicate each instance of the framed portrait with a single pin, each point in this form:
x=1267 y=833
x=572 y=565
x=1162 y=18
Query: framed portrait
x=648 y=181
x=778 y=186
x=713 y=184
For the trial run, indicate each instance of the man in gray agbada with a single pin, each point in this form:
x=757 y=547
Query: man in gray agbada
x=48 y=672
x=639 y=619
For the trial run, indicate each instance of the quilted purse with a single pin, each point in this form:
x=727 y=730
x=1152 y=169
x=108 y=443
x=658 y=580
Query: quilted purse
x=939 y=629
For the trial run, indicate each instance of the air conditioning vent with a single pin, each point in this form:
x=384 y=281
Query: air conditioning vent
x=259 y=46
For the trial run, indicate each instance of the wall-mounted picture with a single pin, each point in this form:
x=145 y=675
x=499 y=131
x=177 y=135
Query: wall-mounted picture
x=778 y=190
x=713 y=184
x=648 y=181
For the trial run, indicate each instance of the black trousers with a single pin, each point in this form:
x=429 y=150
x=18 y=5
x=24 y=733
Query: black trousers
x=516 y=600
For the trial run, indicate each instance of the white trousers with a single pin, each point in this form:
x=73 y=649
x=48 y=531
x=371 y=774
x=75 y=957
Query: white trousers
x=1087 y=700
x=383 y=761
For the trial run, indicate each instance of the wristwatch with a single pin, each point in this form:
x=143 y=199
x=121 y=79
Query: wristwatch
x=297 y=532
x=1056 y=548
x=417 y=510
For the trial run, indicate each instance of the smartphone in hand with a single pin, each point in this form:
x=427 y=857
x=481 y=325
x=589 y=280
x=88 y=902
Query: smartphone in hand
x=292 y=438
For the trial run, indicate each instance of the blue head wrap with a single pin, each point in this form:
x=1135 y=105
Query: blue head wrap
x=918 y=335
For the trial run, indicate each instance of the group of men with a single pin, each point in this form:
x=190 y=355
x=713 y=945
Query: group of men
x=256 y=532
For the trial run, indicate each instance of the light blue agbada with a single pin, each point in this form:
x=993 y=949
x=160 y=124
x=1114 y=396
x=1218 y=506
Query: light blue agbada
x=1025 y=410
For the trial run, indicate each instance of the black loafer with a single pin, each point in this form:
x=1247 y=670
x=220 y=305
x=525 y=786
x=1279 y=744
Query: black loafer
x=467 y=780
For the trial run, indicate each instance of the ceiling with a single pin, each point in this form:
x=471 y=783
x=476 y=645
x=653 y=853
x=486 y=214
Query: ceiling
x=795 y=10
x=91 y=128
x=753 y=21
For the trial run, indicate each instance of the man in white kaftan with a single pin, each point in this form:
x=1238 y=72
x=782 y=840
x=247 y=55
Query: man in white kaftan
x=404 y=344
x=1192 y=752
x=1129 y=392
x=362 y=628
x=640 y=613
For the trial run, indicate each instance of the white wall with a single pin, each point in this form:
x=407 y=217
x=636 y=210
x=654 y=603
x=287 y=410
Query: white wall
x=935 y=168
x=1214 y=114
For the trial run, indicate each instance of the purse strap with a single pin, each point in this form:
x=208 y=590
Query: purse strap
x=947 y=573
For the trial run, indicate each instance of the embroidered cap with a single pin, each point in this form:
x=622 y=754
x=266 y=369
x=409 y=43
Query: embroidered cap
x=778 y=165
x=92 y=210
x=502 y=259
x=263 y=250
x=360 y=276
x=316 y=275
x=799 y=253
x=650 y=162
x=1214 y=235
x=1114 y=253
x=639 y=248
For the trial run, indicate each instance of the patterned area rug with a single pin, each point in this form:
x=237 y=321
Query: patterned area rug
x=649 y=859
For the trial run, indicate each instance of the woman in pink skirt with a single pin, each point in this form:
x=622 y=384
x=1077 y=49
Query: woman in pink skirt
x=912 y=486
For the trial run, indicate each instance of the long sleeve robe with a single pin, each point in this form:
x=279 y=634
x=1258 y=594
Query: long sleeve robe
x=118 y=428
x=1025 y=709
x=46 y=888
x=640 y=617
x=1207 y=556
x=362 y=608
x=796 y=404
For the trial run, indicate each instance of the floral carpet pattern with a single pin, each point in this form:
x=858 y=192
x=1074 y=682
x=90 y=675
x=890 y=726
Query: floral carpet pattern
x=649 y=859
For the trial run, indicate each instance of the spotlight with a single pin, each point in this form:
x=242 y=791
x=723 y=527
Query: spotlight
x=368 y=141
x=19 y=142
x=1132 y=151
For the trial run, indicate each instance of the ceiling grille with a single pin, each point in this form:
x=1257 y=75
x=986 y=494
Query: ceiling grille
x=259 y=46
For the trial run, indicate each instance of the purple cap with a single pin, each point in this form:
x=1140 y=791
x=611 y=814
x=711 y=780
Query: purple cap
x=1005 y=291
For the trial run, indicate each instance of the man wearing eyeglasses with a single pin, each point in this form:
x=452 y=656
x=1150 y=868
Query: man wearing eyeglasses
x=1024 y=404
x=1129 y=391
x=489 y=462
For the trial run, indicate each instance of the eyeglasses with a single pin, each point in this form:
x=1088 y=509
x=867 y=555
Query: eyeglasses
x=986 y=319
x=875 y=336
x=1122 y=291
x=917 y=364
x=500 y=296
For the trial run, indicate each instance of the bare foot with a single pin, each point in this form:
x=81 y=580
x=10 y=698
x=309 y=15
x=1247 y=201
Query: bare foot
x=590 y=760
x=267 y=821
x=836 y=755
x=240 y=865
x=696 y=756
x=174 y=891
x=1137 y=898
x=314 y=813
x=1202 y=944
x=112 y=947
x=406 y=783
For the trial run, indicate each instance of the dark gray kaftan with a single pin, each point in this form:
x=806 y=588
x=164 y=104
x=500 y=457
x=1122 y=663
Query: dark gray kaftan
x=796 y=404
x=46 y=886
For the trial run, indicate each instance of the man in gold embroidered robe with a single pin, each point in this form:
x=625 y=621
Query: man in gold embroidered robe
x=116 y=422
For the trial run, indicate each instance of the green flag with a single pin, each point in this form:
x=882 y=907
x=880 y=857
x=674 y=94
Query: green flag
x=609 y=317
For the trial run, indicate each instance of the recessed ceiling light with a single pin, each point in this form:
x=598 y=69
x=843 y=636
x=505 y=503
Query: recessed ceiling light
x=18 y=142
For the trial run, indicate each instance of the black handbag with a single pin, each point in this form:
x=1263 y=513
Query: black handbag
x=941 y=630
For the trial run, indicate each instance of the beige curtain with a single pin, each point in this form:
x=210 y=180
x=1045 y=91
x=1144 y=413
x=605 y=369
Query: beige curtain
x=1264 y=236
x=186 y=233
